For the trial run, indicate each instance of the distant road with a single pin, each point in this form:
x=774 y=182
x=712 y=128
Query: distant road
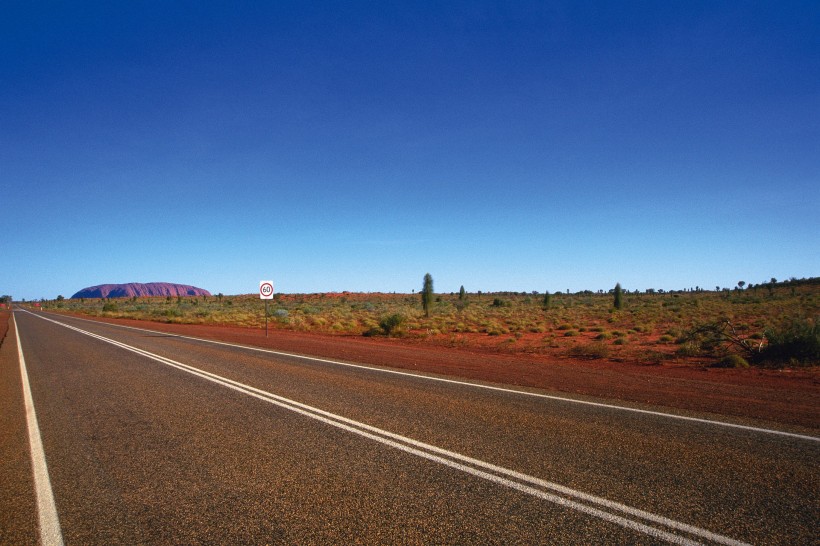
x=154 y=438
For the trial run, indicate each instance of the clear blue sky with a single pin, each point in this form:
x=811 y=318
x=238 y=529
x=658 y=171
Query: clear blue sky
x=358 y=145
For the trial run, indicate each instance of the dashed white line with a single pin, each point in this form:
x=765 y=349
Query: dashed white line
x=49 y=522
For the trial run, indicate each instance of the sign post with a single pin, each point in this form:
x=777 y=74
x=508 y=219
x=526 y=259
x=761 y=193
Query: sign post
x=266 y=293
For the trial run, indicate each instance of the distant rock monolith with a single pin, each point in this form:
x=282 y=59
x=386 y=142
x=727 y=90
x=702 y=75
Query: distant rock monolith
x=137 y=289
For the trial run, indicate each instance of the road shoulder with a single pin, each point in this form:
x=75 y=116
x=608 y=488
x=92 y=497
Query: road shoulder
x=18 y=524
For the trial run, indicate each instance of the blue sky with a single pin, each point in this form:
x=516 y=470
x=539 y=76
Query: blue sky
x=358 y=145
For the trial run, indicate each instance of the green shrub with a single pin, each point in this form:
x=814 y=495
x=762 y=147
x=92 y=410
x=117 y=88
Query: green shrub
x=391 y=324
x=795 y=342
x=688 y=349
x=731 y=361
x=175 y=312
x=589 y=350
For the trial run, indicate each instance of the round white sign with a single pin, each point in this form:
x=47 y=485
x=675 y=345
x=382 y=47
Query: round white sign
x=266 y=290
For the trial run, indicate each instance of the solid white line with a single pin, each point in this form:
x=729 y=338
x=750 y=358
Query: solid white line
x=452 y=459
x=479 y=385
x=50 y=532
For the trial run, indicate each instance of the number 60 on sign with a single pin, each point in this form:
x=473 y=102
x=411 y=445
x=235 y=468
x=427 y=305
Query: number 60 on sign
x=266 y=290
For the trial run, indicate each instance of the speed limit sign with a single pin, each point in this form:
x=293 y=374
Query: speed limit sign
x=266 y=290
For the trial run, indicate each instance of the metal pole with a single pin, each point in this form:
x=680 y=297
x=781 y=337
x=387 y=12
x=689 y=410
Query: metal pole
x=266 y=318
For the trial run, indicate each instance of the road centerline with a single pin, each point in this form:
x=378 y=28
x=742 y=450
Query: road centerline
x=601 y=405
x=591 y=505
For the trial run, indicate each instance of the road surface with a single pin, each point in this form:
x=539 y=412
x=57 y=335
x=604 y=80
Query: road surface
x=148 y=437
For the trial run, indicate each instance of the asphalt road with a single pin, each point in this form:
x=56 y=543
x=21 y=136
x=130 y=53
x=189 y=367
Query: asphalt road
x=154 y=438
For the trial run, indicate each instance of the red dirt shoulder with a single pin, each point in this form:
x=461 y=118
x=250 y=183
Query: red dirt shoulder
x=779 y=396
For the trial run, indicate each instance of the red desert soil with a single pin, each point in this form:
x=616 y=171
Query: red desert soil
x=780 y=396
x=5 y=315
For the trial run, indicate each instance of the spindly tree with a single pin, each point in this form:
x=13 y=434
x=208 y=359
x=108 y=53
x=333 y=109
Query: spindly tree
x=619 y=296
x=427 y=294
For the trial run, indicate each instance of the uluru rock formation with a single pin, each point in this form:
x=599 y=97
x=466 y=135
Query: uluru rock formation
x=132 y=289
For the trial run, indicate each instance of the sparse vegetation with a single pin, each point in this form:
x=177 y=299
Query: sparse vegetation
x=731 y=361
x=392 y=323
x=796 y=342
x=700 y=326
x=591 y=351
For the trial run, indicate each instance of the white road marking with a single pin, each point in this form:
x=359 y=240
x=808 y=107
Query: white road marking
x=49 y=523
x=599 y=507
x=479 y=385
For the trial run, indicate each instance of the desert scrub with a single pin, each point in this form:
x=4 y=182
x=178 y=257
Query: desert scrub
x=797 y=342
x=590 y=350
x=731 y=361
x=317 y=322
x=497 y=330
x=391 y=324
x=174 y=312
x=650 y=314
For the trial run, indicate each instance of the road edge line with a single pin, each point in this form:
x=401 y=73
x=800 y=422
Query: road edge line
x=48 y=520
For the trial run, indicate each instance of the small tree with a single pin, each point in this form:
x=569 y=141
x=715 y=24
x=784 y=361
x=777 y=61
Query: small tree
x=427 y=294
x=546 y=302
x=619 y=296
x=461 y=293
x=741 y=284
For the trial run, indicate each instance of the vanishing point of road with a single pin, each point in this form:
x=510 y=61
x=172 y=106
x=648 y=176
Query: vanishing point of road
x=115 y=435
